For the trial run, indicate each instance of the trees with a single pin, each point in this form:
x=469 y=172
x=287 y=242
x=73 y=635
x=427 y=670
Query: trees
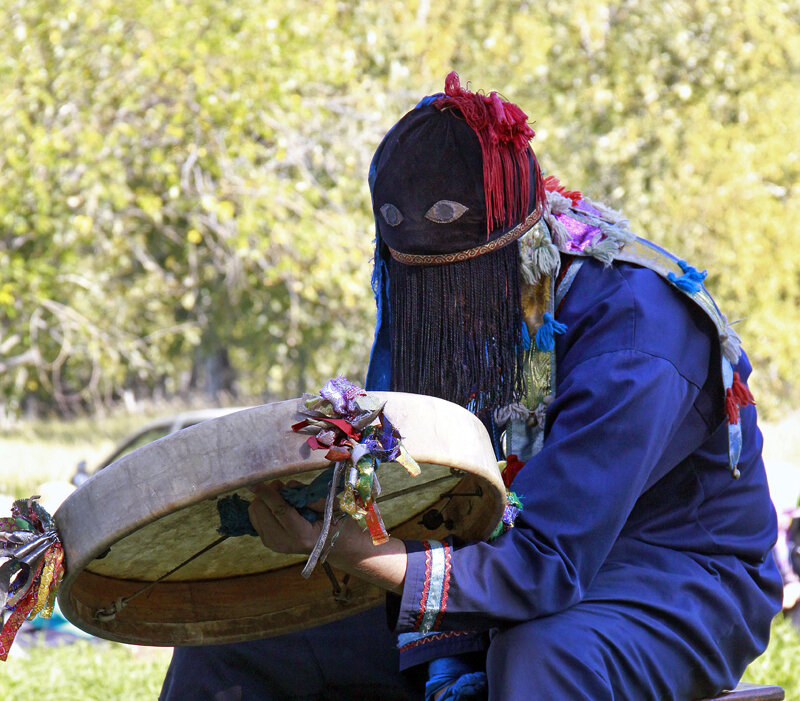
x=183 y=184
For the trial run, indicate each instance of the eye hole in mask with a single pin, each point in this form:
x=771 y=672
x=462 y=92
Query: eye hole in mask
x=391 y=214
x=445 y=211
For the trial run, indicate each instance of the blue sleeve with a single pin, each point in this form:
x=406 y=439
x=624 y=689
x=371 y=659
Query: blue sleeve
x=622 y=403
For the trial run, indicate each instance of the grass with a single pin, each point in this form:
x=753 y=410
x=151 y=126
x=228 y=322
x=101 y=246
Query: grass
x=778 y=665
x=45 y=451
x=83 y=670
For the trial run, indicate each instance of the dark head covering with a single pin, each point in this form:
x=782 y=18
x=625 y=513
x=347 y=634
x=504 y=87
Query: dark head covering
x=452 y=262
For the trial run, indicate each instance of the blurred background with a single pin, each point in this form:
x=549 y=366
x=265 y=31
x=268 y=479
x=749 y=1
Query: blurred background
x=185 y=218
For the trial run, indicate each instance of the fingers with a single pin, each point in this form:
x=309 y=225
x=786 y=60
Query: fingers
x=276 y=485
x=280 y=527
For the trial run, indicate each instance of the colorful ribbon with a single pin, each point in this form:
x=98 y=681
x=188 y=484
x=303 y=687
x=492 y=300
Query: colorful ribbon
x=31 y=567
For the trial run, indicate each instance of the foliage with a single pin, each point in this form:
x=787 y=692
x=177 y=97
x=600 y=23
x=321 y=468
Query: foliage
x=182 y=182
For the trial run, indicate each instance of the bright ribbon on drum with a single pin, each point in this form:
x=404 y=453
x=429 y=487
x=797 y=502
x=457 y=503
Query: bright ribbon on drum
x=31 y=567
x=352 y=428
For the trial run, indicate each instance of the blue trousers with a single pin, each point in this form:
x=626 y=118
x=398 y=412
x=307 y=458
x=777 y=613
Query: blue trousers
x=596 y=651
x=352 y=659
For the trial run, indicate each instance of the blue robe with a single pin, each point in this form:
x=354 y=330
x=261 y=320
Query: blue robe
x=638 y=569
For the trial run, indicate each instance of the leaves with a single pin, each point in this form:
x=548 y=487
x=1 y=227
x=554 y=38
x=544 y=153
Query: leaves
x=184 y=180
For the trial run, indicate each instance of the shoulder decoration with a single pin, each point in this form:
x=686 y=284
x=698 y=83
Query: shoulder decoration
x=574 y=225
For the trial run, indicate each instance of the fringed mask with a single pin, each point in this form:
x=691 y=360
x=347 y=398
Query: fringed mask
x=454 y=186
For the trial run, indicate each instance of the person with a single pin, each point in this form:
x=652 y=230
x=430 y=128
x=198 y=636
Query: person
x=639 y=565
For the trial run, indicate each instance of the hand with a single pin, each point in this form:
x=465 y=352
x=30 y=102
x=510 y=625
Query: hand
x=284 y=530
x=278 y=524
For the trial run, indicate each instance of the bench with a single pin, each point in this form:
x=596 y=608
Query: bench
x=751 y=692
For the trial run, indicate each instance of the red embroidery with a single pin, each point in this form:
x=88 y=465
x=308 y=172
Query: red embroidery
x=445 y=584
x=423 y=602
x=434 y=637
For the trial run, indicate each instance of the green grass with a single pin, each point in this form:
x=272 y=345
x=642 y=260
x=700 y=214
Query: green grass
x=779 y=664
x=83 y=670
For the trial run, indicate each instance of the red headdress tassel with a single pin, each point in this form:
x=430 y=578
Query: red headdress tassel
x=503 y=132
x=552 y=184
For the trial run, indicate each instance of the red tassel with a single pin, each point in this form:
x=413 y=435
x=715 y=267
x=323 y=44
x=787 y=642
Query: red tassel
x=741 y=392
x=503 y=132
x=731 y=406
x=551 y=184
x=513 y=466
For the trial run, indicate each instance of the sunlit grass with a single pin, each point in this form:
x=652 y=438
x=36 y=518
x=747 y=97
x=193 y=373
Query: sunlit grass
x=778 y=665
x=83 y=670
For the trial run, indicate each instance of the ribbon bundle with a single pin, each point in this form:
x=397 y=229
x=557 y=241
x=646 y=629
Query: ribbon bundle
x=31 y=567
x=351 y=426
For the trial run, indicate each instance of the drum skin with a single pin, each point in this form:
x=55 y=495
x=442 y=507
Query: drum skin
x=138 y=518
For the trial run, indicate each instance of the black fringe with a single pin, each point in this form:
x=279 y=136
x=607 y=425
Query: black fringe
x=457 y=330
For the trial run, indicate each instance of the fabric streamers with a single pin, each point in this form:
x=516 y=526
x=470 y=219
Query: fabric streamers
x=731 y=343
x=538 y=255
x=605 y=251
x=234 y=518
x=31 y=567
x=607 y=213
x=525 y=337
x=691 y=281
x=342 y=394
x=503 y=132
x=738 y=395
x=351 y=426
x=454 y=679
x=510 y=512
x=545 y=340
x=515 y=411
x=512 y=467
x=551 y=184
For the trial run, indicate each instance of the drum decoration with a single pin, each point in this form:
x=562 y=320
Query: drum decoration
x=31 y=569
x=351 y=427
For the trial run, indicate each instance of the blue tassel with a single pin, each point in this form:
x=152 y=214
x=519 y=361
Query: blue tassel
x=453 y=679
x=691 y=281
x=526 y=338
x=544 y=336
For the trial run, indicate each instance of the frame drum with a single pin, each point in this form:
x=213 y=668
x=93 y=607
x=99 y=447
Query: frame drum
x=143 y=515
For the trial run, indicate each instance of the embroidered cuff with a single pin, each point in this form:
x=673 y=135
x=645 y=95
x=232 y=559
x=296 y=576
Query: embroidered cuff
x=426 y=586
x=416 y=648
